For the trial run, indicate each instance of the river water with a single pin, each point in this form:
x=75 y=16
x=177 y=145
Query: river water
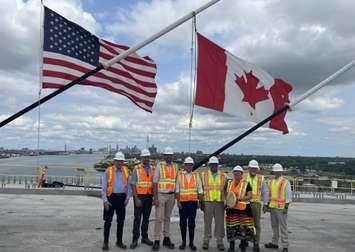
x=58 y=165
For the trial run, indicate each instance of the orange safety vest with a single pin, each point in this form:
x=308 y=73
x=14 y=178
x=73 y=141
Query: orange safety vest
x=144 y=183
x=41 y=177
x=256 y=184
x=110 y=171
x=240 y=190
x=188 y=189
x=167 y=177
x=277 y=193
x=213 y=189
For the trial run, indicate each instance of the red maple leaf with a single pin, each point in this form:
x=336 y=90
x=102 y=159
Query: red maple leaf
x=252 y=95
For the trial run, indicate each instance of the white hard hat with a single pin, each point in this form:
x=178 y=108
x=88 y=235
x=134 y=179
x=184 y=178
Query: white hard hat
x=188 y=160
x=253 y=164
x=168 y=151
x=213 y=160
x=277 y=168
x=238 y=168
x=119 y=156
x=145 y=153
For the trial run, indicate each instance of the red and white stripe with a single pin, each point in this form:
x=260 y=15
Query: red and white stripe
x=133 y=77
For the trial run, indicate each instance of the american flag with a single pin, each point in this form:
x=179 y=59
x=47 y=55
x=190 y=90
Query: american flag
x=69 y=51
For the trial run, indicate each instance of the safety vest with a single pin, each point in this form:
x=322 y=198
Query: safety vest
x=188 y=189
x=41 y=177
x=213 y=187
x=240 y=190
x=144 y=183
x=256 y=184
x=110 y=172
x=167 y=177
x=277 y=193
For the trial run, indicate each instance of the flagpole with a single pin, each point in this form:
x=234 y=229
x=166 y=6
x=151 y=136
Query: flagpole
x=109 y=63
x=285 y=108
x=159 y=34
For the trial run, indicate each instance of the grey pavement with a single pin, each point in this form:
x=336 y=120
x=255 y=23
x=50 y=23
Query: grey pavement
x=74 y=223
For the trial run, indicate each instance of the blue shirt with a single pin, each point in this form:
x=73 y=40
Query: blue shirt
x=118 y=186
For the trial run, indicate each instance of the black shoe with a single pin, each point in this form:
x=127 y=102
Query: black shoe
x=147 y=241
x=121 y=245
x=134 y=244
x=271 y=246
x=156 y=246
x=192 y=247
x=256 y=247
x=105 y=246
x=221 y=247
x=205 y=246
x=167 y=243
x=182 y=246
x=285 y=250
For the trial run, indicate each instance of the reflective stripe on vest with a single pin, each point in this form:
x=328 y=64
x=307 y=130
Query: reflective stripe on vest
x=213 y=188
x=277 y=193
x=188 y=189
x=167 y=177
x=256 y=184
x=144 y=183
x=110 y=171
x=240 y=190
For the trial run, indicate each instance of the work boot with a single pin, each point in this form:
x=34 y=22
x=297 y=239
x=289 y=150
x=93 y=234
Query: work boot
x=147 y=241
x=134 y=244
x=192 y=247
x=121 y=245
x=285 y=250
x=167 y=243
x=205 y=245
x=231 y=246
x=105 y=246
x=221 y=247
x=191 y=238
x=271 y=245
x=256 y=247
x=156 y=245
x=182 y=246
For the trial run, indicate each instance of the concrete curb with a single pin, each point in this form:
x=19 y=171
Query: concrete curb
x=93 y=193
x=324 y=201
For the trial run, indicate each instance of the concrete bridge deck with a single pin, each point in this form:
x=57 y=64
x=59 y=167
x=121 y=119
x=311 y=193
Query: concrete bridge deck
x=74 y=223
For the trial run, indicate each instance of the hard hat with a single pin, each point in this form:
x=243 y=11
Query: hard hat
x=238 y=168
x=213 y=160
x=145 y=153
x=168 y=151
x=188 y=160
x=119 y=156
x=253 y=164
x=277 y=168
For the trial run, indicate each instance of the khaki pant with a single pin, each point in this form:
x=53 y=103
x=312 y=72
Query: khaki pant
x=256 y=210
x=279 y=225
x=162 y=214
x=214 y=210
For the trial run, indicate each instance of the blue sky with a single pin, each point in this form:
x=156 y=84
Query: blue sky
x=288 y=39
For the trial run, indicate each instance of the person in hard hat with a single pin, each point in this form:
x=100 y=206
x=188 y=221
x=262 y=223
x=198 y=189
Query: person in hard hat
x=213 y=182
x=164 y=198
x=142 y=189
x=188 y=193
x=259 y=197
x=239 y=217
x=42 y=177
x=280 y=197
x=115 y=195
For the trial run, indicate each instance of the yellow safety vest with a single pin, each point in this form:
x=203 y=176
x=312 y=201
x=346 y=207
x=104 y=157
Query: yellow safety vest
x=277 y=193
x=256 y=184
x=188 y=189
x=111 y=179
x=213 y=187
x=167 y=177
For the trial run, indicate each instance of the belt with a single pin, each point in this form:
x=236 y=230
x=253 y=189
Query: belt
x=167 y=192
x=118 y=194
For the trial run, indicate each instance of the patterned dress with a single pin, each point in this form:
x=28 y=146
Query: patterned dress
x=239 y=223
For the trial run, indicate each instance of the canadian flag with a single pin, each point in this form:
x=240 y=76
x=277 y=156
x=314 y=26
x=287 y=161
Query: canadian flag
x=231 y=85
